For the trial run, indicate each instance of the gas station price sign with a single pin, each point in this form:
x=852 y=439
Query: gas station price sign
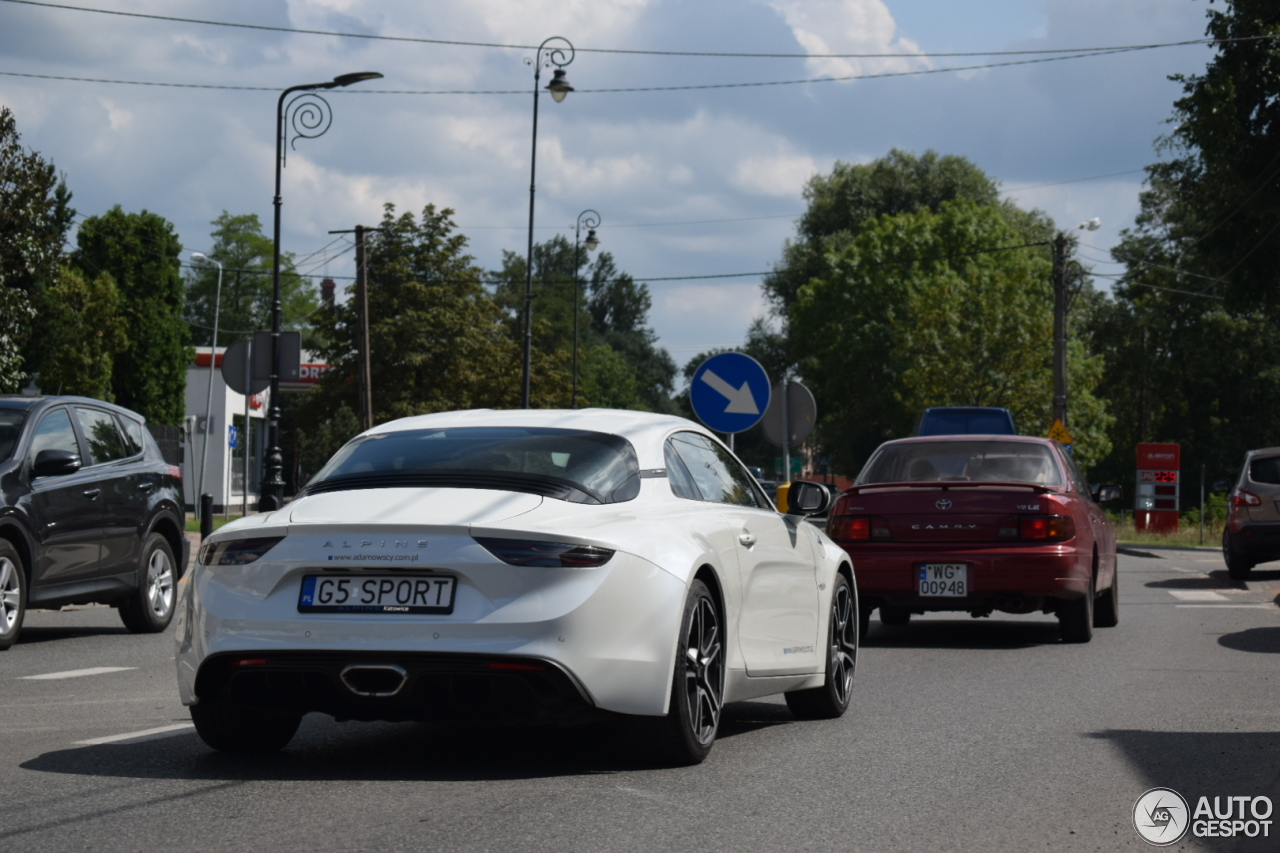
x=1156 y=498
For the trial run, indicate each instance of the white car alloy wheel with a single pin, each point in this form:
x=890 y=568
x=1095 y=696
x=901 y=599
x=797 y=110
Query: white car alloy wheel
x=160 y=583
x=10 y=595
x=704 y=671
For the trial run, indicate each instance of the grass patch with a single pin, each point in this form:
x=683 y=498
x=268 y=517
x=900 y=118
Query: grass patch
x=1188 y=535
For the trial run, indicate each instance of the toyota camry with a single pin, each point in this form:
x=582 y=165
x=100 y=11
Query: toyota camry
x=979 y=524
x=546 y=566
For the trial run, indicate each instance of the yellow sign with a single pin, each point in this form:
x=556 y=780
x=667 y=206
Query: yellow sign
x=1059 y=433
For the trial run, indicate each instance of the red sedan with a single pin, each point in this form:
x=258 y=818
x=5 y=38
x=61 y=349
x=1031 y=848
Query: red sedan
x=978 y=524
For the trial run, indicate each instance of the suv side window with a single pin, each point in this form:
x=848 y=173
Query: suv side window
x=717 y=475
x=54 y=433
x=102 y=436
x=132 y=431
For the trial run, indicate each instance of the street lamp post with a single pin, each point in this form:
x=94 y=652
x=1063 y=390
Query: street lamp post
x=592 y=220
x=1061 y=243
x=310 y=116
x=204 y=260
x=559 y=54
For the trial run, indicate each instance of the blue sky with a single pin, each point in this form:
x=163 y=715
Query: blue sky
x=656 y=165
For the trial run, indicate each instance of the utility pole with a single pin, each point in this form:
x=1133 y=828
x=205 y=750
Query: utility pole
x=1060 y=244
x=364 y=368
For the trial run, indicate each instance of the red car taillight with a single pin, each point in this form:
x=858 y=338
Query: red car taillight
x=1044 y=528
x=858 y=528
x=1242 y=498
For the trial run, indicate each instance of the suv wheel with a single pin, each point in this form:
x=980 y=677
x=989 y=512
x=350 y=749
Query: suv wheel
x=149 y=608
x=13 y=594
x=1238 y=566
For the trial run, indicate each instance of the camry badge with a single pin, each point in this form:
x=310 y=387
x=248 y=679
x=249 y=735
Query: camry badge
x=943 y=504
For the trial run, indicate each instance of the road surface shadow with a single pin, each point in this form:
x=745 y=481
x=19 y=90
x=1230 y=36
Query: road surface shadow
x=1203 y=764
x=1217 y=579
x=324 y=750
x=965 y=633
x=31 y=634
x=1265 y=640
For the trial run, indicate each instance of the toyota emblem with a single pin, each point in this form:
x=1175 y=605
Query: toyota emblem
x=943 y=504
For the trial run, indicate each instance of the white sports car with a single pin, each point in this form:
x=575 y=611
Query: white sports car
x=540 y=565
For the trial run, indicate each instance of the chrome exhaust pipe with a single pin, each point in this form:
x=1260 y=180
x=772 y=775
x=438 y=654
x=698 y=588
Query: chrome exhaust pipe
x=381 y=680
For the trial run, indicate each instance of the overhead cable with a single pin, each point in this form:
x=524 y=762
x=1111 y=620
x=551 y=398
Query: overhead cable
x=915 y=73
x=633 y=51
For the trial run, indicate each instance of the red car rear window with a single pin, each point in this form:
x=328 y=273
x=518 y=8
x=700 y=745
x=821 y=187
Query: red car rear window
x=946 y=461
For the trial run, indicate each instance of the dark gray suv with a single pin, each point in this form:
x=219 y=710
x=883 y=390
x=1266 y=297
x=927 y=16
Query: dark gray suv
x=1252 y=534
x=90 y=512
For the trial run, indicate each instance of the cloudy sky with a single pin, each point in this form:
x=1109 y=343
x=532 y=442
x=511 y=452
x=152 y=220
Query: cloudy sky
x=697 y=182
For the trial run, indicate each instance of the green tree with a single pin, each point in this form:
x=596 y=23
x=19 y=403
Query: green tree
x=322 y=438
x=918 y=311
x=140 y=251
x=843 y=202
x=613 y=317
x=246 y=256
x=438 y=340
x=86 y=333
x=1190 y=336
x=35 y=214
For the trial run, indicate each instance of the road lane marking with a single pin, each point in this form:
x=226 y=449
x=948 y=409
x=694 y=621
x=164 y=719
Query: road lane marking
x=1225 y=606
x=1197 y=595
x=135 y=737
x=76 y=673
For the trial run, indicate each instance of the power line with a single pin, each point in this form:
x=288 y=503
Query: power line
x=1073 y=180
x=620 y=89
x=632 y=51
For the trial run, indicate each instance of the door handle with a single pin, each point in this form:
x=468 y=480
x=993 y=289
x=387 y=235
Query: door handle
x=92 y=494
x=746 y=539
x=146 y=487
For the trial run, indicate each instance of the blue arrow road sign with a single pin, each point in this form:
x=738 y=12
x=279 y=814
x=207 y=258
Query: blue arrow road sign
x=730 y=392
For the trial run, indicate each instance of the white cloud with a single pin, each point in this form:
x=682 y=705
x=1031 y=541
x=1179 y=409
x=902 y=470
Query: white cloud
x=776 y=175
x=848 y=26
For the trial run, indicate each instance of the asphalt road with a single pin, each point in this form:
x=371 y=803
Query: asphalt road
x=965 y=735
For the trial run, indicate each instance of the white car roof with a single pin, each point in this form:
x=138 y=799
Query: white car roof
x=645 y=430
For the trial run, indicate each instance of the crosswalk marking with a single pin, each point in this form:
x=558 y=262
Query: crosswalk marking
x=135 y=737
x=76 y=673
x=1197 y=595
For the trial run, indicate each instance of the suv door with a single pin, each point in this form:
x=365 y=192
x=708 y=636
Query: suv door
x=66 y=510
x=778 y=621
x=108 y=461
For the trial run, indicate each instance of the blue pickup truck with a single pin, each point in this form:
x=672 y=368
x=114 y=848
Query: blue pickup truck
x=966 y=420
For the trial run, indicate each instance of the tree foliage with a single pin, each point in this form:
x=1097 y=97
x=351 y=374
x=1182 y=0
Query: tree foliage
x=247 y=292
x=438 y=340
x=140 y=251
x=86 y=332
x=843 y=202
x=918 y=311
x=621 y=365
x=35 y=213
x=1190 y=337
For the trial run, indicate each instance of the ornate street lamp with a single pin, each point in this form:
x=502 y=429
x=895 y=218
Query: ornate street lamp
x=591 y=219
x=309 y=116
x=558 y=54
